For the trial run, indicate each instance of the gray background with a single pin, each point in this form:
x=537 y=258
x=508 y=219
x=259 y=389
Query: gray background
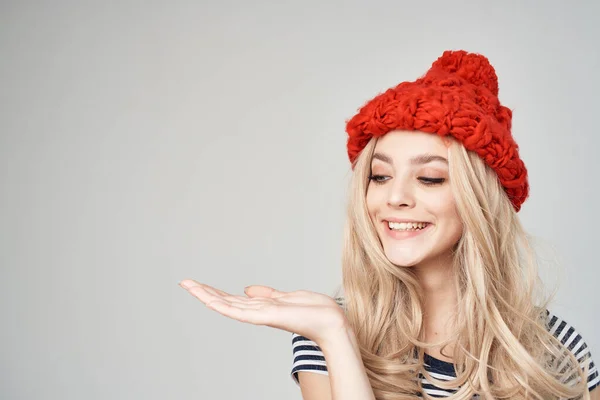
x=147 y=142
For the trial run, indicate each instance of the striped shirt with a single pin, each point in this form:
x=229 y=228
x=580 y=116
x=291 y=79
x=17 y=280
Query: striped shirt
x=309 y=357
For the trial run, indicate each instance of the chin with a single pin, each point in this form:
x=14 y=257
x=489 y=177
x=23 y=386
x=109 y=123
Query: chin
x=403 y=265
x=404 y=260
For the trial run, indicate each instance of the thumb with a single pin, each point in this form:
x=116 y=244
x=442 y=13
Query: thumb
x=262 y=291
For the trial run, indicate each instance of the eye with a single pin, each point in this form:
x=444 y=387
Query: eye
x=431 y=181
x=380 y=179
x=377 y=179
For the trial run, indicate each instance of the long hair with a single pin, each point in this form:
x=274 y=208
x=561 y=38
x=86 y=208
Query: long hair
x=502 y=347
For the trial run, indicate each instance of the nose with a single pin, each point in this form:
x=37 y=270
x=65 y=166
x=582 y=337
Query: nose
x=400 y=195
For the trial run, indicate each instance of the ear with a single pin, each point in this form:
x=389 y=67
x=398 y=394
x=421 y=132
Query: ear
x=262 y=291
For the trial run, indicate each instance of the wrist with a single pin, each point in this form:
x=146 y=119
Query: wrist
x=339 y=337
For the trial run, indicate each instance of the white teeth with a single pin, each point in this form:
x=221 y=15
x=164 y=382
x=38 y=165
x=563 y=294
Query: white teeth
x=407 y=226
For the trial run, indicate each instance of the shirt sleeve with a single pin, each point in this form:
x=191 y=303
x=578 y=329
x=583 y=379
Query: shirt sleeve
x=569 y=337
x=307 y=357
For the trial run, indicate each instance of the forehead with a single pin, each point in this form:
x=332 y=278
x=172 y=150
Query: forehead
x=403 y=145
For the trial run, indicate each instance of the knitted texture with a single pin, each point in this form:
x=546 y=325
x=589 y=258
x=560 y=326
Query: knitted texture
x=458 y=96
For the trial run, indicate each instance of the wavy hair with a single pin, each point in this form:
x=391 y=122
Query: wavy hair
x=502 y=347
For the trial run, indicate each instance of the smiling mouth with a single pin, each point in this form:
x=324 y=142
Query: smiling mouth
x=406 y=226
x=407 y=232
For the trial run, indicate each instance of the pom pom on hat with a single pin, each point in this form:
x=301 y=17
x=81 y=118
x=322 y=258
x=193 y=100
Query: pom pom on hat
x=473 y=68
x=458 y=96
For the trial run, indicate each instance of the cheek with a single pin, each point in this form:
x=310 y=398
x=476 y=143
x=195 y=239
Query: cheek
x=447 y=211
x=444 y=206
x=373 y=200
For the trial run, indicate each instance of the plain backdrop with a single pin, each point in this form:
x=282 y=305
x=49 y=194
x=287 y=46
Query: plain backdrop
x=144 y=142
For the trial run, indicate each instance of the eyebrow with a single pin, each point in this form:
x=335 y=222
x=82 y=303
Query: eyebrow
x=417 y=160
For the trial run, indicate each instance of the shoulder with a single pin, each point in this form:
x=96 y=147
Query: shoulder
x=575 y=343
x=566 y=333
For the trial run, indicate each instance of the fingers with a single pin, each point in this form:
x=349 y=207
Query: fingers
x=208 y=295
x=251 y=291
x=221 y=293
x=189 y=284
x=205 y=293
x=251 y=314
x=244 y=309
x=263 y=291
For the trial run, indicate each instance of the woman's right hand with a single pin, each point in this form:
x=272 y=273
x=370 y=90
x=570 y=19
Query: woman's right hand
x=313 y=315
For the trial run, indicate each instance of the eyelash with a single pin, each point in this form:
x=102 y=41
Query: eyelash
x=425 y=181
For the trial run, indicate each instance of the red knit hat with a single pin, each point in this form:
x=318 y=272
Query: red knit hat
x=458 y=96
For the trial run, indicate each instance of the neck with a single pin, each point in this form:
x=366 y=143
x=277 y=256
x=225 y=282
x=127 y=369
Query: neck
x=437 y=278
x=439 y=294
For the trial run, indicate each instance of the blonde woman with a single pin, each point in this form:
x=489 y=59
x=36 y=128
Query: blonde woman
x=439 y=293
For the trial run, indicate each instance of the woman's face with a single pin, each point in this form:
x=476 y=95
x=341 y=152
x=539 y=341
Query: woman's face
x=410 y=182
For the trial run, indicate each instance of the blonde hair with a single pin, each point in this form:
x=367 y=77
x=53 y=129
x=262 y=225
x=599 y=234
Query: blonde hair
x=502 y=346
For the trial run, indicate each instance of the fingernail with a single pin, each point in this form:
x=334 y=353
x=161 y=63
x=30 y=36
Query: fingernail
x=184 y=284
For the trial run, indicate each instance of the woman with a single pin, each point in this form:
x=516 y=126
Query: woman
x=439 y=280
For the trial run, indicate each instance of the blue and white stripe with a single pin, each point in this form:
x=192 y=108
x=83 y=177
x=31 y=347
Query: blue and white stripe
x=309 y=357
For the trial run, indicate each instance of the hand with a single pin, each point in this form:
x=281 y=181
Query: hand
x=313 y=315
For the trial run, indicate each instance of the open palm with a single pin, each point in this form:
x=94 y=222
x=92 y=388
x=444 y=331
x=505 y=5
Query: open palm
x=310 y=314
